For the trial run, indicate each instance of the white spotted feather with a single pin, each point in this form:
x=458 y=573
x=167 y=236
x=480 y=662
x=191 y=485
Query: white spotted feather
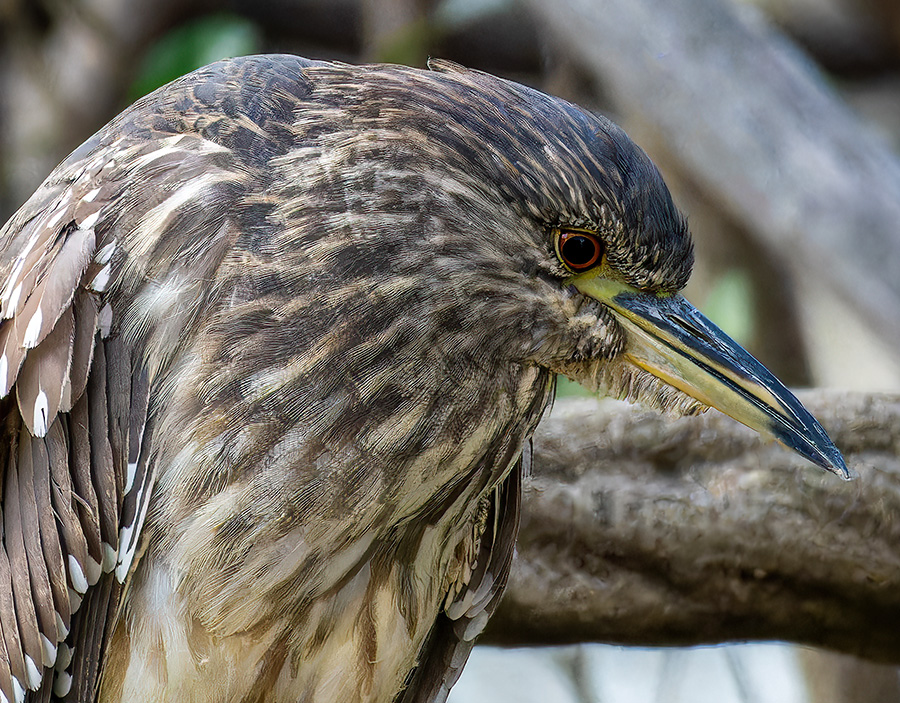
x=43 y=376
x=53 y=292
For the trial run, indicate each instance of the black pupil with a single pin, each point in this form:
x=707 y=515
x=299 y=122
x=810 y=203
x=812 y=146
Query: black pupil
x=578 y=251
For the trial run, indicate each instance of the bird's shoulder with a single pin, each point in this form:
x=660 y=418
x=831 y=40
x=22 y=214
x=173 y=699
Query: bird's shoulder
x=73 y=410
x=143 y=201
x=474 y=598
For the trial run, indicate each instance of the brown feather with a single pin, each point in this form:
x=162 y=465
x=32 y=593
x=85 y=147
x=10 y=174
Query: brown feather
x=6 y=684
x=40 y=245
x=137 y=421
x=54 y=290
x=49 y=531
x=87 y=312
x=52 y=448
x=7 y=463
x=453 y=635
x=11 y=356
x=39 y=387
x=109 y=427
x=14 y=533
x=138 y=480
x=32 y=450
x=86 y=505
x=134 y=510
x=73 y=542
x=8 y=621
x=97 y=617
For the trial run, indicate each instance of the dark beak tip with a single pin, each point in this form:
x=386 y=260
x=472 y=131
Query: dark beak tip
x=832 y=460
x=811 y=442
x=842 y=470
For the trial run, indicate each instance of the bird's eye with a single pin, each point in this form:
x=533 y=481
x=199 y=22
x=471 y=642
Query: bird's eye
x=579 y=250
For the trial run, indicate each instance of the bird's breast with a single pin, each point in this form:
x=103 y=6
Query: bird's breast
x=326 y=557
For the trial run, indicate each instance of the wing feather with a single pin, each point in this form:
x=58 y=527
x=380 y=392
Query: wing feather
x=95 y=624
x=53 y=291
x=451 y=639
x=37 y=240
x=85 y=498
x=42 y=378
x=102 y=483
x=25 y=605
x=33 y=458
x=100 y=274
x=45 y=452
x=72 y=538
x=6 y=680
x=12 y=356
x=8 y=619
x=86 y=314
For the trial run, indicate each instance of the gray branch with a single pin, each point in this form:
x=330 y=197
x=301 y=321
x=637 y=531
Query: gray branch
x=642 y=529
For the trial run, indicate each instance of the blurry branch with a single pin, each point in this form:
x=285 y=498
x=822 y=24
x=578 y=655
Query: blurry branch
x=844 y=35
x=751 y=120
x=640 y=529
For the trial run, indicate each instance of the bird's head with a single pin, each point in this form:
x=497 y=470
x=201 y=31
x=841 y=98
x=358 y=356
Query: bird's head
x=570 y=239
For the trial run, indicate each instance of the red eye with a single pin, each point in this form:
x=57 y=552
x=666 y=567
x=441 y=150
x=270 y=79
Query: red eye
x=579 y=250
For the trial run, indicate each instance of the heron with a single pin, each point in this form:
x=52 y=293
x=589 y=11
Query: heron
x=272 y=342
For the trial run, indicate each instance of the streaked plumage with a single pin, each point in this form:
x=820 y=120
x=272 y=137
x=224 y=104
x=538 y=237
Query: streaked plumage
x=272 y=343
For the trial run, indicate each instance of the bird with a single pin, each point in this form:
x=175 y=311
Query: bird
x=273 y=343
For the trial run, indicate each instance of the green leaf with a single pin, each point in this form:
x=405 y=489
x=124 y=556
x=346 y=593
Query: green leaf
x=730 y=305
x=192 y=45
x=569 y=389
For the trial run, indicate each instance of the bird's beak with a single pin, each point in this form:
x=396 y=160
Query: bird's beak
x=671 y=339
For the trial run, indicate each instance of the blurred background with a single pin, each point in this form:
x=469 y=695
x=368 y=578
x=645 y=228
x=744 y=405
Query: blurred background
x=775 y=123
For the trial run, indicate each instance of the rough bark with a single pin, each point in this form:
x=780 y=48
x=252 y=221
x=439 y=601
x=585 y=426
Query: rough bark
x=642 y=529
x=759 y=128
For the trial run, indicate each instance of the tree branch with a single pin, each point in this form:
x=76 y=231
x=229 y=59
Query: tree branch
x=638 y=529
